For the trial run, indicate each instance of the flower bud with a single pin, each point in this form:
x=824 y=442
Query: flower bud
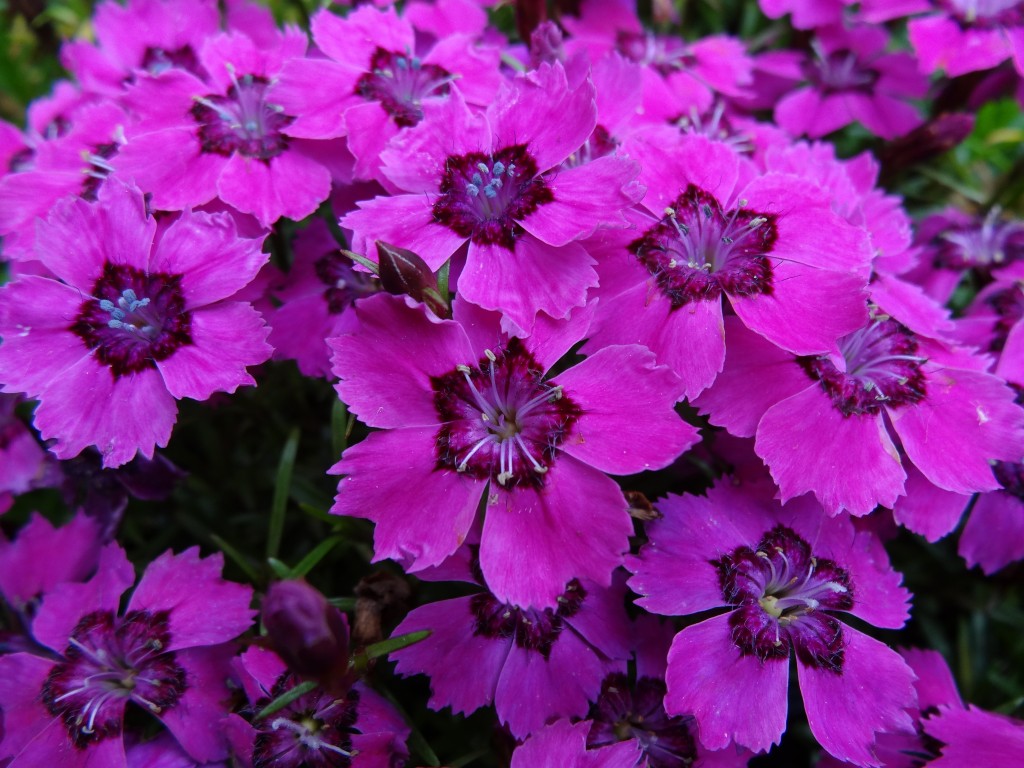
x=403 y=272
x=307 y=632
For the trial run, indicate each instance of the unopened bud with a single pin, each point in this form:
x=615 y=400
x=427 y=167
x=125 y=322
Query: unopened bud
x=308 y=633
x=546 y=44
x=404 y=273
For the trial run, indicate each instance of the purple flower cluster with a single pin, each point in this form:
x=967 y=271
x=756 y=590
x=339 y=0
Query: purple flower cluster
x=631 y=265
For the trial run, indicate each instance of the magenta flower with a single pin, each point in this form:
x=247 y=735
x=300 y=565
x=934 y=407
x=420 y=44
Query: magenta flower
x=147 y=35
x=22 y=460
x=375 y=79
x=852 y=79
x=164 y=655
x=973 y=736
x=633 y=709
x=317 y=297
x=806 y=14
x=961 y=36
x=197 y=140
x=465 y=411
x=790 y=268
x=28 y=569
x=356 y=729
x=782 y=572
x=534 y=665
x=74 y=163
x=825 y=424
x=496 y=181
x=128 y=324
x=564 y=744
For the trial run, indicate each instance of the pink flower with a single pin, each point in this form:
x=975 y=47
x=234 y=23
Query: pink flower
x=163 y=655
x=466 y=411
x=782 y=573
x=826 y=424
x=497 y=184
x=127 y=324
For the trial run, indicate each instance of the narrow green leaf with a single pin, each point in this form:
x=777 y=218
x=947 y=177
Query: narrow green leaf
x=280 y=502
x=339 y=427
x=359 y=259
x=319 y=514
x=442 y=281
x=281 y=570
x=467 y=759
x=237 y=557
x=286 y=698
x=384 y=647
x=310 y=561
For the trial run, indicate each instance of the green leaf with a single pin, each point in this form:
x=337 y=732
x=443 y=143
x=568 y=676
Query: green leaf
x=280 y=502
x=340 y=427
x=310 y=561
x=280 y=569
x=343 y=603
x=384 y=647
x=286 y=698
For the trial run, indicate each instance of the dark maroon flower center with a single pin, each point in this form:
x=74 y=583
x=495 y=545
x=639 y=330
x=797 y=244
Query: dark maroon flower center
x=500 y=419
x=314 y=731
x=839 y=71
x=134 y=319
x=157 y=60
x=111 y=660
x=624 y=711
x=400 y=82
x=529 y=628
x=882 y=370
x=780 y=591
x=991 y=243
x=241 y=121
x=344 y=284
x=698 y=250
x=97 y=169
x=483 y=197
x=986 y=14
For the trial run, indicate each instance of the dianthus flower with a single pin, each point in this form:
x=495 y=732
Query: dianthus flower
x=534 y=665
x=973 y=736
x=74 y=163
x=961 y=36
x=851 y=79
x=166 y=654
x=791 y=269
x=127 y=325
x=564 y=744
x=496 y=181
x=353 y=729
x=466 y=411
x=375 y=78
x=825 y=423
x=223 y=137
x=632 y=708
x=141 y=35
x=782 y=572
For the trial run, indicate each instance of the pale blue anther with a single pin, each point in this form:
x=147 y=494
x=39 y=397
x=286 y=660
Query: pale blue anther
x=477 y=179
x=415 y=63
x=472 y=190
x=490 y=191
x=483 y=168
x=511 y=169
x=499 y=168
x=402 y=63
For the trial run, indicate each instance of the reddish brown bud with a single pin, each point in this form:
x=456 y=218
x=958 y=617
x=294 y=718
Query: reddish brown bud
x=404 y=273
x=307 y=632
